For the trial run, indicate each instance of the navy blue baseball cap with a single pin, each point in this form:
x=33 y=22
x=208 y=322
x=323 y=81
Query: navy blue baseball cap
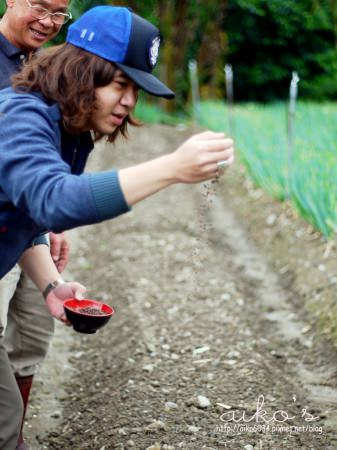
x=124 y=38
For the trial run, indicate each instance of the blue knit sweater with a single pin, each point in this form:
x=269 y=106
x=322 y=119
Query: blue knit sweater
x=42 y=186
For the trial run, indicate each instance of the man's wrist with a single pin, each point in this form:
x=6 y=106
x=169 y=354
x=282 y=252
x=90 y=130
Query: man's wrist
x=50 y=286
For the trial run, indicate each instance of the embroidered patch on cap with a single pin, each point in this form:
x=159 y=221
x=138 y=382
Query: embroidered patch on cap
x=154 y=51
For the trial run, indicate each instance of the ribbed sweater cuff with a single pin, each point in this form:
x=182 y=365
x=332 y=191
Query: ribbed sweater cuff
x=108 y=196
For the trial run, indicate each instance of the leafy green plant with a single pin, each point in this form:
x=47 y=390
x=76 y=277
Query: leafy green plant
x=261 y=140
x=153 y=113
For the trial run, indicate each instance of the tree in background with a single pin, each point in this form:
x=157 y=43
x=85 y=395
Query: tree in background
x=268 y=39
x=264 y=40
x=191 y=30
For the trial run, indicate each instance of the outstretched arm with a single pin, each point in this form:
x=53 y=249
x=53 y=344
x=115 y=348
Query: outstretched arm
x=194 y=161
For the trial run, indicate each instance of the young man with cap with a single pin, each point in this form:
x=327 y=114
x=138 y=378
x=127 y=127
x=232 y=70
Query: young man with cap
x=26 y=26
x=89 y=85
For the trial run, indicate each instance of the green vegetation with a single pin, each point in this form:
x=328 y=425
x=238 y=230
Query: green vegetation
x=276 y=37
x=152 y=113
x=264 y=40
x=309 y=181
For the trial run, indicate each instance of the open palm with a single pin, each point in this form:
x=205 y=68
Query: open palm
x=58 y=295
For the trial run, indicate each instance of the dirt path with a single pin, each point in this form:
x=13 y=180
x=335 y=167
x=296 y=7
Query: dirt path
x=207 y=350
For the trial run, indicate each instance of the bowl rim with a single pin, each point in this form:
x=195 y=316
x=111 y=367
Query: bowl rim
x=93 y=303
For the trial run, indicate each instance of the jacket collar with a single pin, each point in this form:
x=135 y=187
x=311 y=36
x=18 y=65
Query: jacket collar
x=9 y=49
x=55 y=112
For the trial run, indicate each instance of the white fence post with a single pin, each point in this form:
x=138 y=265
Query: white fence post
x=230 y=98
x=193 y=70
x=293 y=90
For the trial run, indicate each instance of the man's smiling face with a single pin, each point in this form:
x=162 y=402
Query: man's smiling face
x=27 y=32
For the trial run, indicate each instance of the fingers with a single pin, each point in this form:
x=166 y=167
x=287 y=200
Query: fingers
x=208 y=135
x=212 y=169
x=215 y=145
x=55 y=307
x=64 y=319
x=55 y=246
x=59 y=250
x=215 y=157
x=60 y=265
x=79 y=291
x=64 y=257
x=230 y=160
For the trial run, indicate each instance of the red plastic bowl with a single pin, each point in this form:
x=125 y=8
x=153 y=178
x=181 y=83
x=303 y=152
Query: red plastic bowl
x=83 y=321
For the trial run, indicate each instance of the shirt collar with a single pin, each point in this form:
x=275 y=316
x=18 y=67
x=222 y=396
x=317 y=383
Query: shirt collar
x=8 y=48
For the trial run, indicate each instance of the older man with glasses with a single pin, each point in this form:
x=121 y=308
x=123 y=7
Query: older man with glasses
x=25 y=323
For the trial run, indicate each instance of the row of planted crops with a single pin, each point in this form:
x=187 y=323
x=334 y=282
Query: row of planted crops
x=307 y=176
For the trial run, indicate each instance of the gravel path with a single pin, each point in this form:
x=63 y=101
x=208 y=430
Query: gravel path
x=206 y=350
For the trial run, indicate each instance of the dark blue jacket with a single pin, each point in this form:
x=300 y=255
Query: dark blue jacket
x=42 y=186
x=11 y=59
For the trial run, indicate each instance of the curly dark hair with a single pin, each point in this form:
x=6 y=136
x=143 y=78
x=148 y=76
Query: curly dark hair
x=68 y=76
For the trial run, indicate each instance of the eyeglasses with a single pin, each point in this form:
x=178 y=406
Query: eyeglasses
x=40 y=13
